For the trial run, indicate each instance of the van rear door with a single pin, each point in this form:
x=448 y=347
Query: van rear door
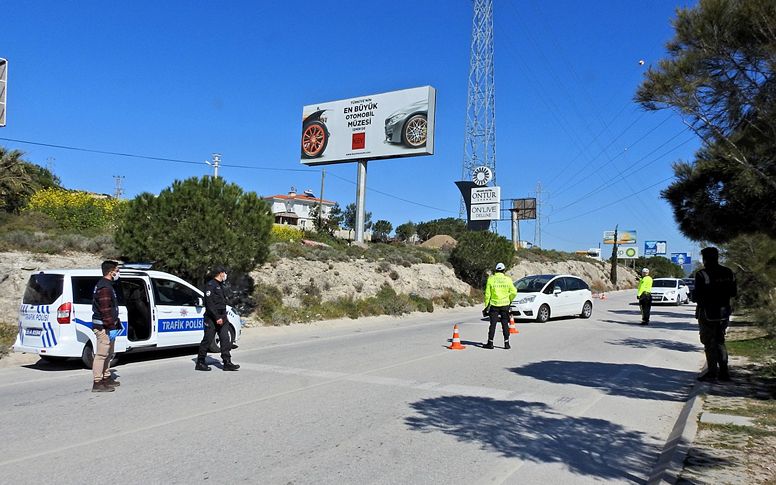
x=38 y=328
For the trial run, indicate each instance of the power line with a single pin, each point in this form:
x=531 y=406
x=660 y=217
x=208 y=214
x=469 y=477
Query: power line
x=620 y=199
x=148 y=157
x=191 y=162
x=395 y=197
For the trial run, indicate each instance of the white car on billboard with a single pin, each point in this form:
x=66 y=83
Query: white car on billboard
x=546 y=296
x=670 y=290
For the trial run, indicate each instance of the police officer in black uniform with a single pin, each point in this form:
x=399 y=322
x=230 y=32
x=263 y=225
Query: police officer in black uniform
x=715 y=285
x=216 y=321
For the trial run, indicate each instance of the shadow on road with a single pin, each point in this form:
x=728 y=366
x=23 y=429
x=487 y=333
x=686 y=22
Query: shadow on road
x=646 y=343
x=658 y=324
x=532 y=431
x=656 y=312
x=629 y=380
x=123 y=359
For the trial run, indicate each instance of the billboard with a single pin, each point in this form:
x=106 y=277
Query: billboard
x=655 y=248
x=485 y=203
x=623 y=237
x=627 y=252
x=387 y=125
x=681 y=258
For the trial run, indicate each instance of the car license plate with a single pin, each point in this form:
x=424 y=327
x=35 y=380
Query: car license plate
x=35 y=332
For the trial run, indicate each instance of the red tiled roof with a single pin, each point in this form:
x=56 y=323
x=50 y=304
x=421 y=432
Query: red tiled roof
x=298 y=197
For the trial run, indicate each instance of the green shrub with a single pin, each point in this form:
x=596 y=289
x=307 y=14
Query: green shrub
x=477 y=253
x=195 y=224
x=7 y=336
x=268 y=300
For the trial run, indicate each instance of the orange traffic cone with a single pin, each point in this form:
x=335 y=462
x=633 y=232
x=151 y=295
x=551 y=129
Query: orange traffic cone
x=512 y=326
x=456 y=340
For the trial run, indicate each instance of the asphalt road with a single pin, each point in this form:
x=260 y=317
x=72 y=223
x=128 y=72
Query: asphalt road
x=380 y=400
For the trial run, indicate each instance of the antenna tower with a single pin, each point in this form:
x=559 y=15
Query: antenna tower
x=119 y=191
x=480 y=137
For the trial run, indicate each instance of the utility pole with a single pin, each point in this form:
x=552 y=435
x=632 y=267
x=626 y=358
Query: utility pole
x=320 y=202
x=215 y=163
x=119 y=191
x=538 y=225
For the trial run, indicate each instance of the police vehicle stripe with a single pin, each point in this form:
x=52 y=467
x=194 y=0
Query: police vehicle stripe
x=43 y=338
x=53 y=336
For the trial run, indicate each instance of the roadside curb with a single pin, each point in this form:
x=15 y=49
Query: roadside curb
x=671 y=461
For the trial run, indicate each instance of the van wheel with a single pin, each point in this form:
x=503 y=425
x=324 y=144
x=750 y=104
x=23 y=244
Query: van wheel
x=215 y=346
x=543 y=314
x=87 y=356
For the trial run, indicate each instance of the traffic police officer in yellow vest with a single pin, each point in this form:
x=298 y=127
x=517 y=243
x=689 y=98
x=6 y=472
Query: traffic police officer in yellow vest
x=644 y=294
x=499 y=293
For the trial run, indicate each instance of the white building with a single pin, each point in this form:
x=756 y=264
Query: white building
x=294 y=209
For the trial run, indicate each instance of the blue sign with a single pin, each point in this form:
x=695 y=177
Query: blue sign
x=181 y=324
x=681 y=258
x=655 y=248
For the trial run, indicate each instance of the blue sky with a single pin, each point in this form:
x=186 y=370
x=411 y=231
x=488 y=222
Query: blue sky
x=181 y=80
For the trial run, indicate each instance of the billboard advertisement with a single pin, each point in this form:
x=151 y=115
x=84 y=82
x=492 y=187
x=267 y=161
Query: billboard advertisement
x=387 y=125
x=655 y=248
x=485 y=203
x=627 y=252
x=681 y=258
x=623 y=237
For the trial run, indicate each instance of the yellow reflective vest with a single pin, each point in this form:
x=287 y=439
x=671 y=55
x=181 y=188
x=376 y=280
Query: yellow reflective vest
x=645 y=286
x=499 y=290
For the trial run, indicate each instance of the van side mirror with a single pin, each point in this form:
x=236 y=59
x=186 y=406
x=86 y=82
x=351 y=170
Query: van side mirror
x=200 y=301
x=556 y=290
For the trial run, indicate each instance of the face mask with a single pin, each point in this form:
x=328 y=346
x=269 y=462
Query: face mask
x=224 y=278
x=115 y=277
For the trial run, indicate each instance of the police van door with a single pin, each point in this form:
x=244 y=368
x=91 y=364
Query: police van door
x=179 y=314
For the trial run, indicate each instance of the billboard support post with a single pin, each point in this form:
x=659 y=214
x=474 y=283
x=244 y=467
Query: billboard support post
x=515 y=231
x=360 y=200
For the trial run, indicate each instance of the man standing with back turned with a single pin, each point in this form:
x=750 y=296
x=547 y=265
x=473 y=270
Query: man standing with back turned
x=715 y=285
x=216 y=321
x=644 y=295
x=499 y=293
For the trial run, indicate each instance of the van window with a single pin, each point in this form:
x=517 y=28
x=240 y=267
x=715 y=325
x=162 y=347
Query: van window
x=83 y=289
x=43 y=289
x=172 y=293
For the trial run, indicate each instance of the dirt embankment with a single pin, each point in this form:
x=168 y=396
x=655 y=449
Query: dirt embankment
x=359 y=279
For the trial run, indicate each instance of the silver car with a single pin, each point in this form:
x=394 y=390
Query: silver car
x=408 y=125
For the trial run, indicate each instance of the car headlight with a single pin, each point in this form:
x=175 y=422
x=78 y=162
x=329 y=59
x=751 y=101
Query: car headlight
x=527 y=299
x=393 y=119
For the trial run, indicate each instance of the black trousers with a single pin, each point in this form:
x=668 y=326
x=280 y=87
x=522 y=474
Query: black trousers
x=645 y=303
x=498 y=313
x=713 y=340
x=210 y=334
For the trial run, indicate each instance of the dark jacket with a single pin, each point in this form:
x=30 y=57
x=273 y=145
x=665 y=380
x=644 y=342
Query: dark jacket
x=105 y=305
x=714 y=287
x=215 y=300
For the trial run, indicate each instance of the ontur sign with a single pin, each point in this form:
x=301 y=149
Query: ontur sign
x=387 y=125
x=485 y=203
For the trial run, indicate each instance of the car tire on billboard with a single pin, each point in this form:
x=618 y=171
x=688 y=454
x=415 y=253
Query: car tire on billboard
x=415 y=131
x=315 y=135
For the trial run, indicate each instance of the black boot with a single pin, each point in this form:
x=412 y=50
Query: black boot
x=228 y=365
x=201 y=366
x=488 y=345
x=506 y=345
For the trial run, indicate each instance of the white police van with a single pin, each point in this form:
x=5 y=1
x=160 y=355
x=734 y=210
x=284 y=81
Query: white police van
x=156 y=309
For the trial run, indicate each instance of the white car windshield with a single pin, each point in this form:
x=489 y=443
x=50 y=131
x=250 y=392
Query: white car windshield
x=533 y=283
x=665 y=283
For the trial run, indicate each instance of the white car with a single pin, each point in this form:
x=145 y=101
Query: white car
x=670 y=290
x=156 y=310
x=546 y=296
